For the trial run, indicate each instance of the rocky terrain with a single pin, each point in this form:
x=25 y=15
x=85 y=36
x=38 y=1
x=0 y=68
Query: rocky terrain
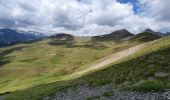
x=106 y=93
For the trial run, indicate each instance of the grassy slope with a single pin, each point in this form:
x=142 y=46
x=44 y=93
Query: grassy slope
x=127 y=72
x=141 y=66
x=145 y=37
x=30 y=64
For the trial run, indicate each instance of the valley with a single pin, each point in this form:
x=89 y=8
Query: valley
x=84 y=50
x=42 y=68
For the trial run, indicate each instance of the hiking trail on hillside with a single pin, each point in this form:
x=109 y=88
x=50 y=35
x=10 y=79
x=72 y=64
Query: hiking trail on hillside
x=110 y=59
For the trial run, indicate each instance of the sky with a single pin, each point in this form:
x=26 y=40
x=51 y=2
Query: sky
x=85 y=17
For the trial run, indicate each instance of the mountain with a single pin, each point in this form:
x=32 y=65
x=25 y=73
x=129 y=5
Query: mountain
x=10 y=36
x=117 y=35
x=145 y=36
x=163 y=34
x=149 y=31
x=46 y=69
x=160 y=34
x=167 y=34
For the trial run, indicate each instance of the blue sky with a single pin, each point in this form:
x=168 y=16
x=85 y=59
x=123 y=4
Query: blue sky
x=85 y=17
x=135 y=3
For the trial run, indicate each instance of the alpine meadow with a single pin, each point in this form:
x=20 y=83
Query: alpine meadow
x=84 y=50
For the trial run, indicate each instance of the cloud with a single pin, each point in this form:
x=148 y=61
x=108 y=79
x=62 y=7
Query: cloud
x=158 y=12
x=158 y=9
x=83 y=17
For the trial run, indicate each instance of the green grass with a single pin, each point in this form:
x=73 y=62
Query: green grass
x=108 y=94
x=140 y=66
x=130 y=70
x=144 y=37
x=38 y=92
x=94 y=98
x=30 y=64
x=150 y=86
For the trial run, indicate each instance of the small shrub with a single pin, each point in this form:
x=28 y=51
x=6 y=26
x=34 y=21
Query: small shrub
x=149 y=86
x=108 y=94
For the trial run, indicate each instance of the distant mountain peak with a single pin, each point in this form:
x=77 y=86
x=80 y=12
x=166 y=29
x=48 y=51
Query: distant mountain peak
x=122 y=33
x=146 y=35
x=10 y=36
x=148 y=30
x=122 y=30
x=116 y=35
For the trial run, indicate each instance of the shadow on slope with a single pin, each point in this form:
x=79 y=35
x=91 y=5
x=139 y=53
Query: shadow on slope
x=114 y=36
x=122 y=75
x=62 y=39
x=68 y=40
x=4 y=59
x=145 y=37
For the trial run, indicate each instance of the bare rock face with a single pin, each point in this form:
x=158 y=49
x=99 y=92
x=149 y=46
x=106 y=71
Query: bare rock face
x=161 y=74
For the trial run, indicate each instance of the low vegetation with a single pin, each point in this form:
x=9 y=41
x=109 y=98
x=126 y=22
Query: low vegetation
x=136 y=72
x=30 y=64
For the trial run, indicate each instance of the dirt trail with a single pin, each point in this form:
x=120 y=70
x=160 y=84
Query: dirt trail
x=111 y=59
x=117 y=56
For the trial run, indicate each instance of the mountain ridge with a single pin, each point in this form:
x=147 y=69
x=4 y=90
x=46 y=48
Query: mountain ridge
x=53 y=59
x=124 y=72
x=116 y=35
x=12 y=36
x=16 y=35
x=161 y=34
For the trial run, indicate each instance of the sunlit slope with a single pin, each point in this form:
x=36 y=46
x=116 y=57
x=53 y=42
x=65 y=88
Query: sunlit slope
x=30 y=64
x=136 y=72
x=147 y=69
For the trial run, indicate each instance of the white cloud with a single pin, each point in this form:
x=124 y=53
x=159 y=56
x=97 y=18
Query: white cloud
x=158 y=12
x=83 y=17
